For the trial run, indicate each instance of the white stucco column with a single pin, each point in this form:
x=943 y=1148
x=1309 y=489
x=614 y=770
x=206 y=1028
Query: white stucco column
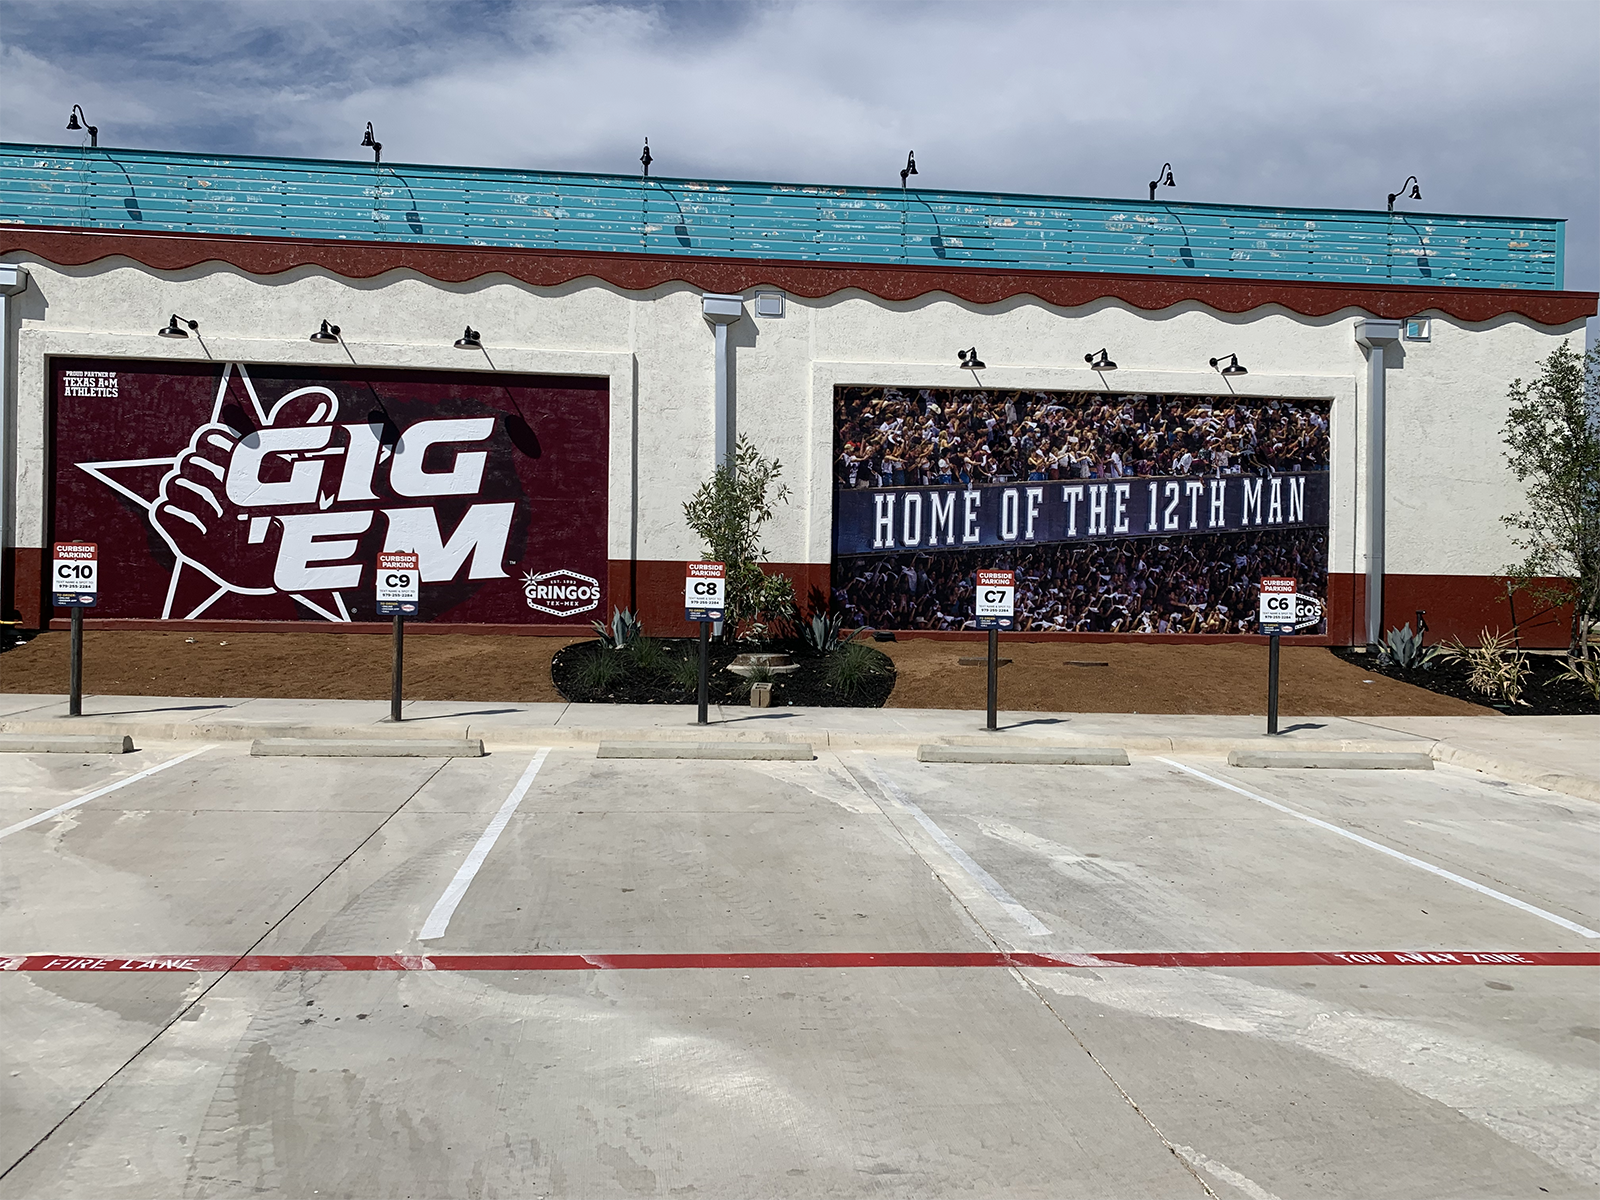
x=1375 y=334
x=13 y=279
x=722 y=311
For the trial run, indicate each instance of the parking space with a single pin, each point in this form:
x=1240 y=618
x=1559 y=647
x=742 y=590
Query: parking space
x=732 y=1076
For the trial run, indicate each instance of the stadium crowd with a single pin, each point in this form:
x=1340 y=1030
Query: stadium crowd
x=1195 y=584
x=894 y=437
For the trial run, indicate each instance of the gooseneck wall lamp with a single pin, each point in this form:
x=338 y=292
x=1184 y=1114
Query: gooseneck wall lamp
x=74 y=123
x=1414 y=194
x=909 y=169
x=1099 y=361
x=470 y=340
x=328 y=335
x=175 y=328
x=372 y=143
x=1232 y=367
x=970 y=360
x=1163 y=179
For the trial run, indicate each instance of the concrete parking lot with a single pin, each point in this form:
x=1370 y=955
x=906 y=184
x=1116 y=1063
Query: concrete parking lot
x=1365 y=983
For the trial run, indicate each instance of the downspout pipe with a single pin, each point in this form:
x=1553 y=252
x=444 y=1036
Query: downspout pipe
x=13 y=280
x=722 y=311
x=1375 y=335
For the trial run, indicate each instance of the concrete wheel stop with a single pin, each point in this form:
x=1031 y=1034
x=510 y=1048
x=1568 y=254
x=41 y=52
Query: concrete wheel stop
x=1332 y=760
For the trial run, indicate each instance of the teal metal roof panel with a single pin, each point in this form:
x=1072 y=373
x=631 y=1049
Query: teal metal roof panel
x=108 y=188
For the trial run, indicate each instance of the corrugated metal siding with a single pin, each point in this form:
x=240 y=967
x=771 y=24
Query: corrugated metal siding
x=298 y=198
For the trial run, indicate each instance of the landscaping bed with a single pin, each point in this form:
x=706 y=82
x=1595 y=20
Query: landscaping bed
x=664 y=671
x=1545 y=693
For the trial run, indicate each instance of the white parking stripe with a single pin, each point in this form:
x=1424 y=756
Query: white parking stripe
x=984 y=880
x=439 y=919
x=98 y=792
x=1391 y=852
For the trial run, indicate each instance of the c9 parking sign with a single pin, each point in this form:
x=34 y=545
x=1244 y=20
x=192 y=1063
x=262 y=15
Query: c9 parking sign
x=399 y=585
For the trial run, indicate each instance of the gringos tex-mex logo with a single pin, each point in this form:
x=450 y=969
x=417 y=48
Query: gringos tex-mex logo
x=296 y=494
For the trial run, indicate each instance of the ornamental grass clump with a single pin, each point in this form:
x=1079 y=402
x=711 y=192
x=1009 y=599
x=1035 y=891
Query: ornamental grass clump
x=1498 y=668
x=853 y=667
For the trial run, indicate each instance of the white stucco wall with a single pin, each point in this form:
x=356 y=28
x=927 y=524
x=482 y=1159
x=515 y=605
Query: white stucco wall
x=1448 y=485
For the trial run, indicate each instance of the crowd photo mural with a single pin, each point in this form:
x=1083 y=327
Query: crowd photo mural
x=231 y=491
x=1131 y=514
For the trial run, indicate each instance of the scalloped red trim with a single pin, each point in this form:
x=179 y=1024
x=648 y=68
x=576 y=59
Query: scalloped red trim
x=637 y=272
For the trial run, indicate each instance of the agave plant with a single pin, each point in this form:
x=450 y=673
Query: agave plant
x=821 y=633
x=625 y=629
x=1404 y=649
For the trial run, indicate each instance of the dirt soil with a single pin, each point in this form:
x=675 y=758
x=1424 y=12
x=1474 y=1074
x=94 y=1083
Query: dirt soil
x=1147 y=679
x=1155 y=679
x=313 y=666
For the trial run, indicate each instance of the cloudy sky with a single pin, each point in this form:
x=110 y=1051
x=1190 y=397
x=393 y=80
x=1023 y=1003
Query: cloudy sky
x=1495 y=106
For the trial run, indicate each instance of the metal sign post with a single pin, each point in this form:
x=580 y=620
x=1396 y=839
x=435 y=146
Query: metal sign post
x=995 y=604
x=399 y=594
x=1279 y=608
x=75 y=584
x=705 y=591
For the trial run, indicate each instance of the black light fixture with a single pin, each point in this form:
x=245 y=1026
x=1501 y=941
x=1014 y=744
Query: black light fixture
x=910 y=168
x=645 y=159
x=1233 y=367
x=374 y=143
x=470 y=340
x=1163 y=179
x=72 y=123
x=970 y=360
x=1099 y=361
x=1414 y=194
x=328 y=335
x=175 y=328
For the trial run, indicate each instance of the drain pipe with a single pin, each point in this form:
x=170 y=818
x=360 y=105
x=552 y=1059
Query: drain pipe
x=13 y=279
x=722 y=311
x=1375 y=334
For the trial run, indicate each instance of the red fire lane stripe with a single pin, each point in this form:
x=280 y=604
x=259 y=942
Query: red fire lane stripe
x=203 y=963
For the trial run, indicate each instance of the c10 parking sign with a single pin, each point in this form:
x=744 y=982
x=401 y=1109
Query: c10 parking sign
x=75 y=575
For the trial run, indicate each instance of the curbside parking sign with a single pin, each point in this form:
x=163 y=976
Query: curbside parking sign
x=705 y=591
x=399 y=585
x=75 y=575
x=1277 y=612
x=995 y=599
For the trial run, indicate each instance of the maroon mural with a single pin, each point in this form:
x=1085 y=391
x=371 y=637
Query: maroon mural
x=229 y=491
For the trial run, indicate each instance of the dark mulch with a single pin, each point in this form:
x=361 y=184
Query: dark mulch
x=1545 y=692
x=805 y=688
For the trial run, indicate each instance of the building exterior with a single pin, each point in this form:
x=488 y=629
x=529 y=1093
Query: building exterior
x=522 y=376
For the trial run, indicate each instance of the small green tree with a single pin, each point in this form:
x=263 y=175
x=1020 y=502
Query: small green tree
x=727 y=514
x=1552 y=437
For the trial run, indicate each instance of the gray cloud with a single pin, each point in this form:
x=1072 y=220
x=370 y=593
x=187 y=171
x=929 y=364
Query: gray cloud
x=1495 y=106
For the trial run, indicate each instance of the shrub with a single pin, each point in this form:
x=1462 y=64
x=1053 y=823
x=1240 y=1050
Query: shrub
x=598 y=670
x=1499 y=669
x=852 y=667
x=684 y=671
x=1585 y=669
x=649 y=656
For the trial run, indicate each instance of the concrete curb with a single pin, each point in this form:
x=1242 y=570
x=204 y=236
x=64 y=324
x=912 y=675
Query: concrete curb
x=1517 y=771
x=735 y=751
x=296 y=747
x=1024 y=755
x=1331 y=761
x=65 y=743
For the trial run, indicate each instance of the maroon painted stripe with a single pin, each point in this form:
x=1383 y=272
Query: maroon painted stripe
x=637 y=272
x=762 y=961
